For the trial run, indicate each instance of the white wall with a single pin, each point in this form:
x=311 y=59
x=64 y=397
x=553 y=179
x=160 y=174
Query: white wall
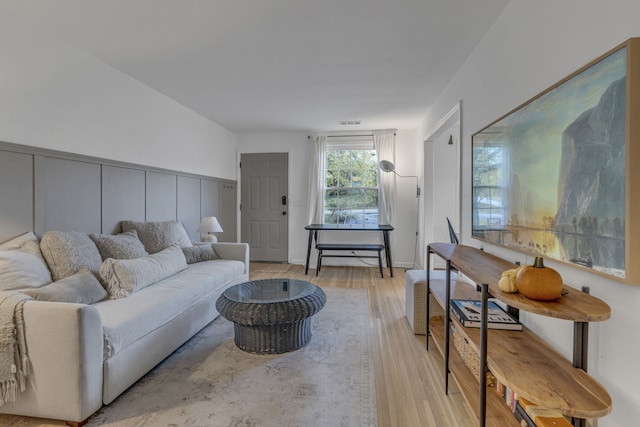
x=530 y=47
x=299 y=148
x=408 y=208
x=55 y=96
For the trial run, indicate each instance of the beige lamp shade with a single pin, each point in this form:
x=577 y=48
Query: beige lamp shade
x=208 y=227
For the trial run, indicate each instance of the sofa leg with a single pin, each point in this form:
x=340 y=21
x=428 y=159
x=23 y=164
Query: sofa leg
x=76 y=423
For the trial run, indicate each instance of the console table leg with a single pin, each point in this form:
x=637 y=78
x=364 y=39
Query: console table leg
x=447 y=325
x=581 y=341
x=484 y=327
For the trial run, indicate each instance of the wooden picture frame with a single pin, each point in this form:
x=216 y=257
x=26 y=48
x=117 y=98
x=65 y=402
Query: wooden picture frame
x=558 y=176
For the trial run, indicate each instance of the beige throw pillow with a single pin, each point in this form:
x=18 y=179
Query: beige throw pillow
x=22 y=265
x=199 y=253
x=119 y=246
x=125 y=276
x=158 y=235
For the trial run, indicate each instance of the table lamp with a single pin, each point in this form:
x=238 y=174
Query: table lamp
x=208 y=227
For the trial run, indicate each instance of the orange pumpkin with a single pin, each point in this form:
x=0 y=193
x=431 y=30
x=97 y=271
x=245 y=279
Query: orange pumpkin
x=539 y=282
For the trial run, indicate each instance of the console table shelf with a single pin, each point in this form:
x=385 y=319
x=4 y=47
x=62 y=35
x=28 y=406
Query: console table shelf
x=519 y=359
x=482 y=267
x=498 y=414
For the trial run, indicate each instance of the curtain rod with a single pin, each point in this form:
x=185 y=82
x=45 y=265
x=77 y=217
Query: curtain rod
x=345 y=136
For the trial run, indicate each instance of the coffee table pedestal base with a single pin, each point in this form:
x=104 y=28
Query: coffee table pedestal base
x=273 y=339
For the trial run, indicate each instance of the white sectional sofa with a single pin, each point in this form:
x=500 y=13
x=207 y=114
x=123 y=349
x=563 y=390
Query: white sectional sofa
x=85 y=354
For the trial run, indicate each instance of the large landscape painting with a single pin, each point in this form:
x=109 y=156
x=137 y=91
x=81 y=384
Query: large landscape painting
x=549 y=178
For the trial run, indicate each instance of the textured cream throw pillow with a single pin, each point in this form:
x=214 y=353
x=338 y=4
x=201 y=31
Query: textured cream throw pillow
x=68 y=252
x=125 y=276
x=119 y=246
x=157 y=235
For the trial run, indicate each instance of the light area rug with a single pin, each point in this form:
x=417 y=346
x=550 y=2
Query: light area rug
x=210 y=382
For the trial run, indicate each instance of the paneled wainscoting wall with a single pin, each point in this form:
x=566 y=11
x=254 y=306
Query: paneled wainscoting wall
x=43 y=190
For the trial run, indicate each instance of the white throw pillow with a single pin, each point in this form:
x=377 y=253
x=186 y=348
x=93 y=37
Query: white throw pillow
x=81 y=288
x=22 y=265
x=125 y=276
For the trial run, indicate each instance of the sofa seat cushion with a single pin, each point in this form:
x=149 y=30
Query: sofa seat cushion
x=128 y=319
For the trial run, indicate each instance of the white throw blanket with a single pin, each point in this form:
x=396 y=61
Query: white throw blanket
x=14 y=362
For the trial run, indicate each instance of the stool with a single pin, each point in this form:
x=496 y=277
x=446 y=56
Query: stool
x=415 y=298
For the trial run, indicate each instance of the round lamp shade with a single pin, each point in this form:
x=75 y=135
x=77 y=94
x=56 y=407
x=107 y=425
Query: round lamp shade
x=386 y=166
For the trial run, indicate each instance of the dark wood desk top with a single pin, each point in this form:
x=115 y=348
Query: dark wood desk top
x=349 y=227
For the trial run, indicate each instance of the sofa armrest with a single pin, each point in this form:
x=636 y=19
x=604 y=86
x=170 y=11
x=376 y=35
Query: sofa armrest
x=233 y=251
x=64 y=344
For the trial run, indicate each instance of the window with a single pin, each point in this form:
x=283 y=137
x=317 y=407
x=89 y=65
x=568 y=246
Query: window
x=489 y=186
x=351 y=186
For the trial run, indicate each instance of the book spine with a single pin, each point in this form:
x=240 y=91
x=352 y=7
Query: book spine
x=496 y=323
x=523 y=417
x=544 y=417
x=459 y=315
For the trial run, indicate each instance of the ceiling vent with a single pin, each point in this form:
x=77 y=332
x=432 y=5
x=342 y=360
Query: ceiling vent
x=349 y=122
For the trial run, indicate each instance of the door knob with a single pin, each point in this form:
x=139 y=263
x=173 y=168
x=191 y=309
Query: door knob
x=284 y=212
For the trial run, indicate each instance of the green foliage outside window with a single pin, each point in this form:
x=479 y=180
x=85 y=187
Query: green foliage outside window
x=351 y=187
x=488 y=185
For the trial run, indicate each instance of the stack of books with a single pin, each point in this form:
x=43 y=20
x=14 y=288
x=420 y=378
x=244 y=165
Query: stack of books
x=531 y=415
x=468 y=312
x=527 y=413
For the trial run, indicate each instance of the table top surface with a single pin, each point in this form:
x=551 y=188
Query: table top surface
x=270 y=291
x=482 y=267
x=350 y=227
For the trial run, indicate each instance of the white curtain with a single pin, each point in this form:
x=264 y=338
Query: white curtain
x=316 y=180
x=385 y=146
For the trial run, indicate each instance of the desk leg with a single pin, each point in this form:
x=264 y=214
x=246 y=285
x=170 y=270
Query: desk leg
x=387 y=251
x=306 y=267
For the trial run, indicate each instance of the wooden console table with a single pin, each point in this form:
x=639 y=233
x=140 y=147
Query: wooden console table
x=519 y=359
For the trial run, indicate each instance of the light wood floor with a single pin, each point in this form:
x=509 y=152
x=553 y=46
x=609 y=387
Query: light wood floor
x=409 y=380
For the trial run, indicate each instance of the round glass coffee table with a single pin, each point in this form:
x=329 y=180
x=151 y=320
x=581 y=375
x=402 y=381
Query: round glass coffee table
x=271 y=316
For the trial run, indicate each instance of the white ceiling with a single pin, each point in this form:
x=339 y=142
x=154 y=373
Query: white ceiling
x=279 y=65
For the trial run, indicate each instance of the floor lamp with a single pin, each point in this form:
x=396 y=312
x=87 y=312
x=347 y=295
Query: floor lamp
x=387 y=166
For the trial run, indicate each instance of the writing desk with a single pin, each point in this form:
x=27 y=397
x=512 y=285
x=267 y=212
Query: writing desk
x=314 y=229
